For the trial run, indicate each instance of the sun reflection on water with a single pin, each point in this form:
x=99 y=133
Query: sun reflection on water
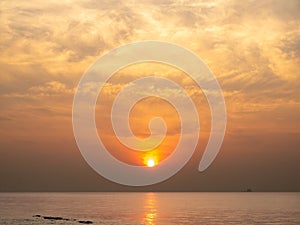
x=150 y=209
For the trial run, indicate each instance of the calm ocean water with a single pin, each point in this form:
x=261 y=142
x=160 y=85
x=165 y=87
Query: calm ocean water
x=150 y=208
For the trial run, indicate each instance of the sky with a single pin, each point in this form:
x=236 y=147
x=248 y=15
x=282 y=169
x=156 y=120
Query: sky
x=252 y=47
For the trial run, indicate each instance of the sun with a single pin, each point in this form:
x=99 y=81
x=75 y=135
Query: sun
x=150 y=162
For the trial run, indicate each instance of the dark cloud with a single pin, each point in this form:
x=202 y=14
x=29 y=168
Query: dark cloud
x=5 y=118
x=285 y=10
x=19 y=78
x=291 y=46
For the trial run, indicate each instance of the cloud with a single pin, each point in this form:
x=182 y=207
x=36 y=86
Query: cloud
x=251 y=46
x=52 y=88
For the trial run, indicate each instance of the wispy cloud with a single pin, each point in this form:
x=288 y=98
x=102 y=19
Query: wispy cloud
x=251 y=46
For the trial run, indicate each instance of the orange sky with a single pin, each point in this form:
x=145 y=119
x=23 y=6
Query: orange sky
x=252 y=47
x=146 y=109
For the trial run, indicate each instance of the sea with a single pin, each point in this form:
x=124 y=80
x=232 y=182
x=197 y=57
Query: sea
x=150 y=208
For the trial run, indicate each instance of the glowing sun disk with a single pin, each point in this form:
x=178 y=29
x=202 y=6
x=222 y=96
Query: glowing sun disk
x=150 y=162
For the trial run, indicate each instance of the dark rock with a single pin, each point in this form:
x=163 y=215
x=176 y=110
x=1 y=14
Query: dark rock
x=85 y=222
x=53 y=218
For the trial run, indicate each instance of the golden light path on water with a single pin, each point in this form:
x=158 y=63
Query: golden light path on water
x=151 y=209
